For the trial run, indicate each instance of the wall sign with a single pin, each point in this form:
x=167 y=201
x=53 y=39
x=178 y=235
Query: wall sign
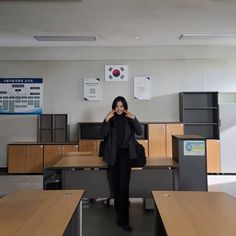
x=194 y=148
x=92 y=89
x=116 y=73
x=21 y=96
x=142 y=88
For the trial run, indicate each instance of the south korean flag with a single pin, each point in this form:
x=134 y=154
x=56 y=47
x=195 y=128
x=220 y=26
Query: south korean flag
x=116 y=73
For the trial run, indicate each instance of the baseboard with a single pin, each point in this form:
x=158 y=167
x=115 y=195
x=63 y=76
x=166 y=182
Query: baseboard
x=3 y=170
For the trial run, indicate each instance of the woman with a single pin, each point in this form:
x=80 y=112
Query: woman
x=118 y=130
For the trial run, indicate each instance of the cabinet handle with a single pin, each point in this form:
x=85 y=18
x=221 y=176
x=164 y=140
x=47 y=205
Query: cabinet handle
x=62 y=152
x=59 y=150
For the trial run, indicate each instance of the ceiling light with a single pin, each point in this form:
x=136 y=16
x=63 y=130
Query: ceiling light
x=137 y=37
x=65 y=38
x=208 y=36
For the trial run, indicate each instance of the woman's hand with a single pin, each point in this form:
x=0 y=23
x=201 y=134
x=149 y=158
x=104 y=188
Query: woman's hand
x=109 y=115
x=129 y=114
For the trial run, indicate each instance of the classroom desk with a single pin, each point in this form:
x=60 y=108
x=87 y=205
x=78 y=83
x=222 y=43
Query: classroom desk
x=185 y=213
x=41 y=212
x=91 y=173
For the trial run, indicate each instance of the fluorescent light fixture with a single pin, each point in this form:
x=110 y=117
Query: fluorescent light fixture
x=65 y=38
x=208 y=36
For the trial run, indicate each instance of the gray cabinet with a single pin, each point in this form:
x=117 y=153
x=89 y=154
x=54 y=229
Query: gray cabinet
x=52 y=128
x=189 y=151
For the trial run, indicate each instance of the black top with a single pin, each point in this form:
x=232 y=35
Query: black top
x=109 y=133
x=120 y=128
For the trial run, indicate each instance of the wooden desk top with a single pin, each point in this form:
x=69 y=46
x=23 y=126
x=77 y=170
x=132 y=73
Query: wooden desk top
x=37 y=212
x=97 y=162
x=80 y=162
x=161 y=162
x=196 y=213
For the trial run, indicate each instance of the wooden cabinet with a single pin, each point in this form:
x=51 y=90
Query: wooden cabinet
x=53 y=153
x=172 y=129
x=157 y=140
x=90 y=145
x=160 y=138
x=25 y=158
x=213 y=156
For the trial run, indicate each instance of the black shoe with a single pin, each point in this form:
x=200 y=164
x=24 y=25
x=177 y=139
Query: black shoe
x=125 y=226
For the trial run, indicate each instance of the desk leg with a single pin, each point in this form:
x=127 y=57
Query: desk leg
x=74 y=227
x=80 y=218
x=159 y=226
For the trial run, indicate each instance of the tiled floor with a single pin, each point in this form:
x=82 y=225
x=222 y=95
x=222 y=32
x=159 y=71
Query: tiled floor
x=98 y=220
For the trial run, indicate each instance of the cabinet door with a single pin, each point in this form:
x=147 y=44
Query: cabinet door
x=213 y=156
x=87 y=146
x=69 y=148
x=16 y=158
x=52 y=154
x=144 y=142
x=157 y=140
x=96 y=147
x=172 y=129
x=34 y=159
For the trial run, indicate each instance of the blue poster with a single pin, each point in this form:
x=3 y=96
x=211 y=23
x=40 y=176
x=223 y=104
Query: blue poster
x=21 y=96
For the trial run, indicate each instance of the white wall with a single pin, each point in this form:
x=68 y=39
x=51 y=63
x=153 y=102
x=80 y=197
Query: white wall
x=63 y=85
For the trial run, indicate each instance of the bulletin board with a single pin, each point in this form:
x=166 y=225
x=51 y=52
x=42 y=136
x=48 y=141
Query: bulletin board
x=21 y=96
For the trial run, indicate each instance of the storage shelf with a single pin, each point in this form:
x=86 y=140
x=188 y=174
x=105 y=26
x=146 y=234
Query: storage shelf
x=52 y=128
x=199 y=111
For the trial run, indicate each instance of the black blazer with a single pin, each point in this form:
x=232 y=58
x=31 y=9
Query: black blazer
x=109 y=133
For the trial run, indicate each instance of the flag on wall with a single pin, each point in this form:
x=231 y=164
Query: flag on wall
x=116 y=73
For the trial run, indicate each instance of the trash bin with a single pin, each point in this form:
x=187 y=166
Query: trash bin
x=52 y=182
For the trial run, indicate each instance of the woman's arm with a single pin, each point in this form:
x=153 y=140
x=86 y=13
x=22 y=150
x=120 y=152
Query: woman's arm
x=106 y=124
x=134 y=122
x=137 y=126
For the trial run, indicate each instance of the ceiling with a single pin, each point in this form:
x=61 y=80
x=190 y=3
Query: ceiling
x=116 y=22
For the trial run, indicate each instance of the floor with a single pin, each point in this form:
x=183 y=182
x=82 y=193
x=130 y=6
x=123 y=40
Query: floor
x=99 y=220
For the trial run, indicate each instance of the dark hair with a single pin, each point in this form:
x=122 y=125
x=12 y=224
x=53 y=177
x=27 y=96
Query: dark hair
x=120 y=99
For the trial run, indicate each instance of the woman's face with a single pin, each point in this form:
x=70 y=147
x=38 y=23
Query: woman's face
x=119 y=109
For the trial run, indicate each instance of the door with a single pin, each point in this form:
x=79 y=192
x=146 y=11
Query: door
x=213 y=156
x=172 y=129
x=34 y=159
x=69 y=148
x=157 y=140
x=227 y=137
x=52 y=154
x=16 y=158
x=88 y=146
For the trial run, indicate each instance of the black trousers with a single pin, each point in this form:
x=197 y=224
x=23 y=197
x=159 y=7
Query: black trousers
x=120 y=177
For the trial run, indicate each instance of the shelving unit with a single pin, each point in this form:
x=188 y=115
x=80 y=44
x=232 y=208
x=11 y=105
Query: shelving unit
x=199 y=111
x=52 y=128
